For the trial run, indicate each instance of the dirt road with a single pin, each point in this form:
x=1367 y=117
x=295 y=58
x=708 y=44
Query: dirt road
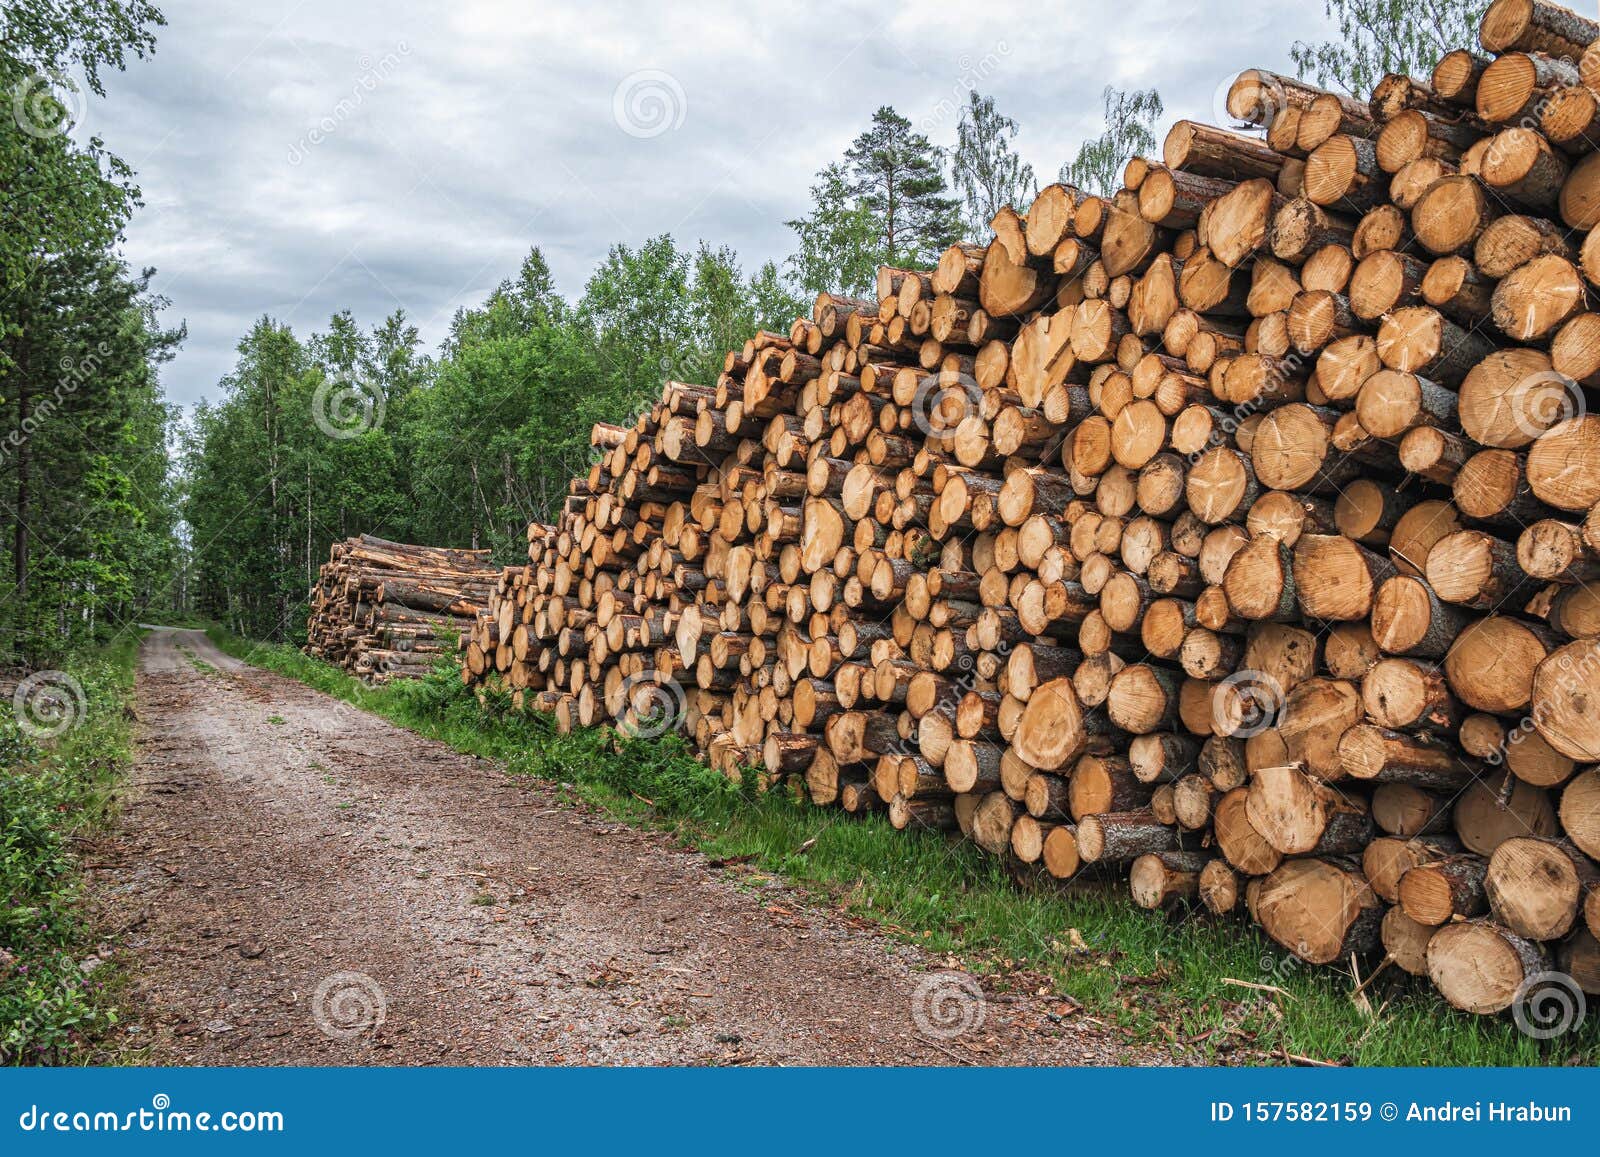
x=302 y=883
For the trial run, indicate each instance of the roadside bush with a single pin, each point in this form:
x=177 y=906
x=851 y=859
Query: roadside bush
x=51 y=793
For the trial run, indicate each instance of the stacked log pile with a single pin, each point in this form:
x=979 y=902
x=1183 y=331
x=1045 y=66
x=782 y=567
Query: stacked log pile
x=1231 y=532
x=389 y=610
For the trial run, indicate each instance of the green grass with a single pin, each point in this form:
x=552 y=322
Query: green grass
x=55 y=792
x=1163 y=978
x=196 y=661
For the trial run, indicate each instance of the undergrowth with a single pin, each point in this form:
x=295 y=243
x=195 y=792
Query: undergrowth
x=56 y=790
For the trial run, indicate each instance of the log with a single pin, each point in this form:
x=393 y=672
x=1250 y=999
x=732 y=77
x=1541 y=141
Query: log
x=1537 y=887
x=1440 y=890
x=1119 y=837
x=1298 y=815
x=1319 y=911
x=383 y=610
x=1406 y=942
x=1480 y=967
x=1166 y=879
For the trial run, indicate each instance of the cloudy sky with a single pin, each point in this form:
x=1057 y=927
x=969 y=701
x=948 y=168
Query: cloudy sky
x=300 y=157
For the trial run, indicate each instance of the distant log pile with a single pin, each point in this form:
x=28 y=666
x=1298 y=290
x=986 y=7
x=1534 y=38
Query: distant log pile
x=388 y=610
x=1235 y=531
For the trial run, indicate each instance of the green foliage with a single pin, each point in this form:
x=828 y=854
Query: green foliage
x=897 y=174
x=886 y=204
x=263 y=478
x=774 y=303
x=357 y=431
x=988 y=174
x=51 y=794
x=498 y=432
x=839 y=251
x=60 y=197
x=84 y=488
x=1130 y=119
x=58 y=36
x=1377 y=37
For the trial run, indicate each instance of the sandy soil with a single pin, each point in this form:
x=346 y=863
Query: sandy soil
x=298 y=882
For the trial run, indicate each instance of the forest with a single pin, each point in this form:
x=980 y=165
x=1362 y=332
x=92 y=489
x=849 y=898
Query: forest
x=115 y=503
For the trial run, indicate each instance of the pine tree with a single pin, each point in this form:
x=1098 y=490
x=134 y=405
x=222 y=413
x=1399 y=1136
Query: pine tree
x=897 y=174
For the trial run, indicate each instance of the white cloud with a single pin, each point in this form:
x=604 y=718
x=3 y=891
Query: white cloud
x=300 y=158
